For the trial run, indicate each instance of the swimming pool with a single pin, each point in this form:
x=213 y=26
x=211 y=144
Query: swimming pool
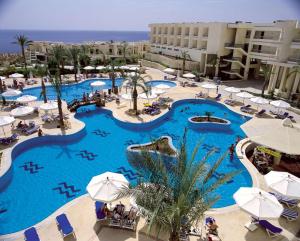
x=71 y=91
x=155 y=83
x=50 y=171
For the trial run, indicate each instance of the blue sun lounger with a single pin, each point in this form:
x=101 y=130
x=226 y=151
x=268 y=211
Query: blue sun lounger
x=64 y=225
x=98 y=209
x=31 y=235
x=272 y=230
x=290 y=214
x=285 y=200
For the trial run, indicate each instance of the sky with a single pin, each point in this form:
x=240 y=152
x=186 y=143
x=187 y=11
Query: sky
x=136 y=14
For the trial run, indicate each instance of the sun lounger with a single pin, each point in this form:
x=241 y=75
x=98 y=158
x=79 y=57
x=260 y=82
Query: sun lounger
x=129 y=221
x=64 y=225
x=117 y=217
x=246 y=110
x=200 y=95
x=99 y=212
x=218 y=97
x=282 y=116
x=285 y=200
x=9 y=140
x=229 y=102
x=261 y=112
x=290 y=214
x=272 y=230
x=31 y=235
x=31 y=129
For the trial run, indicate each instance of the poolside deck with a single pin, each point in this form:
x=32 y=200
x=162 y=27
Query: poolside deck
x=81 y=214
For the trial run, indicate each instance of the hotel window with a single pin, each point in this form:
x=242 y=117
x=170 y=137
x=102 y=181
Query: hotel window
x=172 y=30
x=179 y=31
x=187 y=31
x=205 y=32
x=166 y=30
x=91 y=51
x=97 y=51
x=154 y=30
x=110 y=51
x=196 y=30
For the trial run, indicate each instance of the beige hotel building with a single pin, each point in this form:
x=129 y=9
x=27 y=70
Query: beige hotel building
x=240 y=48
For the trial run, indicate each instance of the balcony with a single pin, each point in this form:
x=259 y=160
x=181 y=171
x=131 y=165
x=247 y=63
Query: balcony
x=235 y=60
x=294 y=60
x=295 y=43
x=235 y=72
x=263 y=53
x=239 y=47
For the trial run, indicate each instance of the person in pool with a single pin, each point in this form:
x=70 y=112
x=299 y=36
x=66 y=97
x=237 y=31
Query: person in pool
x=231 y=151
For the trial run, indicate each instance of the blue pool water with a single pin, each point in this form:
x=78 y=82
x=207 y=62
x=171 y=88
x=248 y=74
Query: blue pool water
x=154 y=83
x=72 y=91
x=50 y=171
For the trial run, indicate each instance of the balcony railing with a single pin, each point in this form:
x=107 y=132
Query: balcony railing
x=262 y=52
x=294 y=59
x=232 y=45
x=296 y=40
x=265 y=38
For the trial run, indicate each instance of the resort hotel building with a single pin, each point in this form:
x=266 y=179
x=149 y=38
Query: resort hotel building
x=232 y=50
x=38 y=50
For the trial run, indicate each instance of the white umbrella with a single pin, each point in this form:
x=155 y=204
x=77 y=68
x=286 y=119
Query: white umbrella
x=244 y=95
x=69 y=67
x=279 y=135
x=5 y=121
x=169 y=71
x=259 y=101
x=16 y=75
x=49 y=106
x=126 y=96
x=22 y=111
x=88 y=68
x=158 y=91
x=280 y=104
x=284 y=183
x=162 y=86
x=134 y=68
x=100 y=67
x=258 y=203
x=232 y=90
x=11 y=93
x=97 y=83
x=209 y=87
x=189 y=76
x=124 y=67
x=2 y=78
x=149 y=96
x=132 y=74
x=105 y=187
x=26 y=98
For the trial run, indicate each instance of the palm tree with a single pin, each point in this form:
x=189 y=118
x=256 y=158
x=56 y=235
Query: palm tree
x=177 y=192
x=137 y=81
x=215 y=61
x=185 y=56
x=42 y=71
x=114 y=64
x=295 y=70
x=58 y=56
x=56 y=83
x=23 y=41
x=266 y=70
x=73 y=53
x=124 y=50
x=84 y=57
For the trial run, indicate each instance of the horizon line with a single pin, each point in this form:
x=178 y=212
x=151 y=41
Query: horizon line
x=89 y=30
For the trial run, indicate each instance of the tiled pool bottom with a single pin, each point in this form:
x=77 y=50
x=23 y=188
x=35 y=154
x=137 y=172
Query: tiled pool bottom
x=49 y=172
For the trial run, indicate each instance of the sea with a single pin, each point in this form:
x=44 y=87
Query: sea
x=7 y=37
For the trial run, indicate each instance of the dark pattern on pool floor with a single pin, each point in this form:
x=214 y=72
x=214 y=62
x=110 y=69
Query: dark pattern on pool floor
x=64 y=189
x=101 y=133
x=84 y=154
x=31 y=167
x=128 y=173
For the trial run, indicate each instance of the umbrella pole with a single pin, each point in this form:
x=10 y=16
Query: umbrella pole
x=3 y=131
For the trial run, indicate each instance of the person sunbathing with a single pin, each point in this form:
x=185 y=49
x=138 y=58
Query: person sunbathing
x=21 y=125
x=212 y=228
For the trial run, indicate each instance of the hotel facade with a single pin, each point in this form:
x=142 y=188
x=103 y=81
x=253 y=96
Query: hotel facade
x=233 y=50
x=37 y=51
